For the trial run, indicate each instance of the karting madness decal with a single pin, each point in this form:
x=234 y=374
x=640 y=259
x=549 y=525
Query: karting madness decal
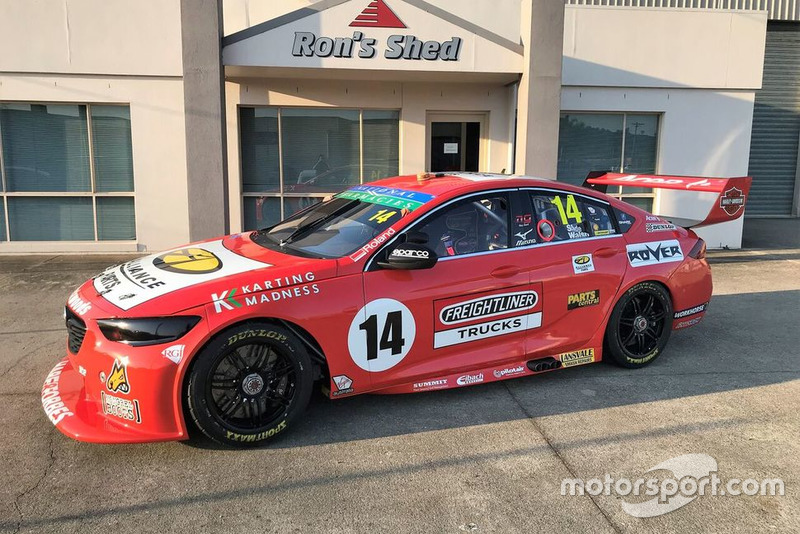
x=144 y=279
x=485 y=315
x=655 y=252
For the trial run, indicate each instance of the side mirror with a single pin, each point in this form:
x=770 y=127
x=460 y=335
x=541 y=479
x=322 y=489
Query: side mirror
x=409 y=256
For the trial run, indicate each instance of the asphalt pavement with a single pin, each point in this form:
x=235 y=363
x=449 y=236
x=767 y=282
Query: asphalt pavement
x=488 y=458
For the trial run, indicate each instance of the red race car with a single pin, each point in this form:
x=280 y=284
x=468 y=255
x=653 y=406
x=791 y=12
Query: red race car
x=408 y=284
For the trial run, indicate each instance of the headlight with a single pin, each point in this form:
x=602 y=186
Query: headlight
x=150 y=331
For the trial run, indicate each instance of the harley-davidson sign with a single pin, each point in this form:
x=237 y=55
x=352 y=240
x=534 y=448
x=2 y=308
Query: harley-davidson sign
x=732 y=201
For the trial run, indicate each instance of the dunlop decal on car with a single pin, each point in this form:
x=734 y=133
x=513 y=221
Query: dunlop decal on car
x=489 y=314
x=144 y=279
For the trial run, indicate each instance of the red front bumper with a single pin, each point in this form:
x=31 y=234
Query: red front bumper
x=79 y=416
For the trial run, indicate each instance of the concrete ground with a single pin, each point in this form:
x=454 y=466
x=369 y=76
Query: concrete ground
x=487 y=458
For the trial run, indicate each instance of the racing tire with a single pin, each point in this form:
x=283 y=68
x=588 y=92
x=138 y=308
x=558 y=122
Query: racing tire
x=249 y=384
x=640 y=325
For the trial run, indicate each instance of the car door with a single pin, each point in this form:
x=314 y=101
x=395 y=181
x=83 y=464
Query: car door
x=578 y=256
x=471 y=309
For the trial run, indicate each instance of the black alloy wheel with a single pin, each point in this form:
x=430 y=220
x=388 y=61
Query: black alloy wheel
x=249 y=384
x=640 y=325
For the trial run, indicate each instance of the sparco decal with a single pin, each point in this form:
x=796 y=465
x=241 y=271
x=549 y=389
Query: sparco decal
x=490 y=306
x=466 y=380
x=642 y=254
x=406 y=253
x=144 y=279
x=259 y=292
x=577 y=357
x=53 y=406
x=372 y=245
x=691 y=311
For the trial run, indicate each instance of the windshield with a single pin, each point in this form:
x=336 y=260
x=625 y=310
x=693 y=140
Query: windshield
x=341 y=226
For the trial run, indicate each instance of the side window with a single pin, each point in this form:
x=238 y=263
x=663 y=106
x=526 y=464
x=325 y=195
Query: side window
x=599 y=218
x=564 y=216
x=624 y=220
x=559 y=217
x=479 y=224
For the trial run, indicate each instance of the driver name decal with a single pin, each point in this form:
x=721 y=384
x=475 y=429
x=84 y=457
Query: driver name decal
x=464 y=319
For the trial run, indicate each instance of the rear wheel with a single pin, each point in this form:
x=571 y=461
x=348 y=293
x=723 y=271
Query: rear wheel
x=640 y=325
x=249 y=384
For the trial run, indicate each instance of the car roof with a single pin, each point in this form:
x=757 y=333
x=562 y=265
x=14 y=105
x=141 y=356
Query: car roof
x=464 y=182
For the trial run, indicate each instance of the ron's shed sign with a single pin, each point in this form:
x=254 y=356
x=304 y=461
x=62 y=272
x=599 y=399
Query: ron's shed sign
x=376 y=15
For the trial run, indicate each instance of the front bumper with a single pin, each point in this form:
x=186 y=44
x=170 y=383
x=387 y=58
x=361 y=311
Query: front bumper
x=78 y=415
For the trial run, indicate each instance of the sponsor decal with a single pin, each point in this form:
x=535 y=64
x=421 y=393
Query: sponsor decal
x=119 y=407
x=387 y=196
x=582 y=263
x=577 y=357
x=659 y=227
x=428 y=385
x=174 y=353
x=406 y=253
x=144 y=279
x=687 y=323
x=732 y=201
x=247 y=334
x=53 y=406
x=466 y=334
x=188 y=260
x=82 y=370
x=344 y=385
x=624 y=219
x=489 y=306
x=655 y=252
x=467 y=380
x=372 y=245
x=117 y=380
x=77 y=304
x=652 y=218
x=576 y=231
x=691 y=311
x=654 y=180
x=381 y=334
x=259 y=292
x=523 y=238
x=524 y=220
x=598 y=233
x=508 y=371
x=249 y=438
x=584 y=299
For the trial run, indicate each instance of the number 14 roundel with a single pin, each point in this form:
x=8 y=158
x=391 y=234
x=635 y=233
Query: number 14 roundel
x=381 y=335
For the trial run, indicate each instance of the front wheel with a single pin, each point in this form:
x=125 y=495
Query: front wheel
x=640 y=325
x=249 y=384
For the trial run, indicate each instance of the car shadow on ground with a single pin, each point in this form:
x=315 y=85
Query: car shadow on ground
x=730 y=349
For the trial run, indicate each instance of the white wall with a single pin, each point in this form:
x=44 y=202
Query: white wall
x=698 y=69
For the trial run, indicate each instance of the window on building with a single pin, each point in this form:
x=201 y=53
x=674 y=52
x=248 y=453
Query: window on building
x=616 y=142
x=294 y=157
x=66 y=172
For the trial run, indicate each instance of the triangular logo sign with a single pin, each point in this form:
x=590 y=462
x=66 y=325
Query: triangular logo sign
x=377 y=15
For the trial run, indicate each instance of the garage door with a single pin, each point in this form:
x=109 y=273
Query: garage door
x=776 y=124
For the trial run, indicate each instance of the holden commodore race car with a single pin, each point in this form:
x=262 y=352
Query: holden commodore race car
x=408 y=284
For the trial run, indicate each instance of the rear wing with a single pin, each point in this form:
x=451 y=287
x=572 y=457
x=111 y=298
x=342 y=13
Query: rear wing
x=726 y=196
